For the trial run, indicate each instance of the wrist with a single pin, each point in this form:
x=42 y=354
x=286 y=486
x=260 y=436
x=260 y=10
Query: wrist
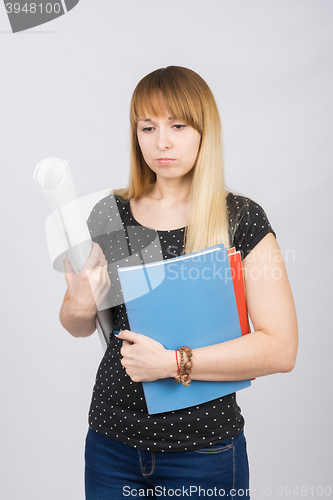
x=171 y=366
x=184 y=365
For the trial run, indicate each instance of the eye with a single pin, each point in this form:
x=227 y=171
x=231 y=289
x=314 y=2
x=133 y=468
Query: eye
x=148 y=129
x=179 y=126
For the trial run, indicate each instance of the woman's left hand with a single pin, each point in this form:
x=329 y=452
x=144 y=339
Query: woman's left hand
x=145 y=359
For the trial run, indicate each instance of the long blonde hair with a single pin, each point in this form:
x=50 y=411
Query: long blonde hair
x=188 y=98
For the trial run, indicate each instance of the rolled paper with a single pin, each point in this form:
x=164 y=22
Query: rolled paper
x=56 y=184
x=67 y=221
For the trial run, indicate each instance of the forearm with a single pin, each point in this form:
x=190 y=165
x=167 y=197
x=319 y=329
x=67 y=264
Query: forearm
x=247 y=357
x=250 y=356
x=76 y=322
x=85 y=292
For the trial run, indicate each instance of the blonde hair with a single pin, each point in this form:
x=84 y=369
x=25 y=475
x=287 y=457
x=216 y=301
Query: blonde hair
x=188 y=98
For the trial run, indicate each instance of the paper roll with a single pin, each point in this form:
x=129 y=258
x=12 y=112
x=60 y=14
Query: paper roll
x=56 y=184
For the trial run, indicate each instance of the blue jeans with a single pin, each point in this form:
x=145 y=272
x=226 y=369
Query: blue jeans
x=117 y=471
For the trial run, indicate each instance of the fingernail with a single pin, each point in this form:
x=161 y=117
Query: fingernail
x=116 y=332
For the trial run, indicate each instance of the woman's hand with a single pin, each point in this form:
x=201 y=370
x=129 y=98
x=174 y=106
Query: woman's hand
x=145 y=359
x=88 y=289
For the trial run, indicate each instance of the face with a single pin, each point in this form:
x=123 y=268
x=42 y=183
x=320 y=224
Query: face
x=170 y=147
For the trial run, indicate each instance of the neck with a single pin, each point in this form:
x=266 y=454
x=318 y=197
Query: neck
x=171 y=189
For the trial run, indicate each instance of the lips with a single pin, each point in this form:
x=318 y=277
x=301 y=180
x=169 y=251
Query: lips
x=165 y=161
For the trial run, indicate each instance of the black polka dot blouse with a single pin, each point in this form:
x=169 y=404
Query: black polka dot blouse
x=118 y=407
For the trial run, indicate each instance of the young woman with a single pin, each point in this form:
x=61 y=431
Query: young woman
x=176 y=189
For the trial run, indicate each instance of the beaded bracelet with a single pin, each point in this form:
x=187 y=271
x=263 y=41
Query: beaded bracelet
x=185 y=367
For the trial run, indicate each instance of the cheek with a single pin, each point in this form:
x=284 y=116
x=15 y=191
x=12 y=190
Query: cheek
x=145 y=144
x=195 y=146
x=146 y=152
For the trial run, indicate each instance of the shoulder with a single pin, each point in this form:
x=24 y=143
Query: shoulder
x=248 y=223
x=241 y=206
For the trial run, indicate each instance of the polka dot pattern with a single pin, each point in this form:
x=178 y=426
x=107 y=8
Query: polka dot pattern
x=118 y=407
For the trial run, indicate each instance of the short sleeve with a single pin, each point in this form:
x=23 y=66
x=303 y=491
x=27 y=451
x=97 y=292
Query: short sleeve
x=107 y=229
x=248 y=223
x=98 y=217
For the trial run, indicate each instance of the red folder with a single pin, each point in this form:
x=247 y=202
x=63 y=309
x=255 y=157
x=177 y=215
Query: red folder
x=238 y=282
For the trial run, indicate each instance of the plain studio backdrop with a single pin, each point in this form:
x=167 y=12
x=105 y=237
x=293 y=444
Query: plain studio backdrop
x=65 y=90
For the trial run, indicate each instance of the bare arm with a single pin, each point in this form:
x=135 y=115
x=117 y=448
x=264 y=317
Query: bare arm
x=271 y=348
x=85 y=292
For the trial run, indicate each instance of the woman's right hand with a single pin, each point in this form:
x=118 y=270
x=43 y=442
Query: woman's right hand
x=88 y=289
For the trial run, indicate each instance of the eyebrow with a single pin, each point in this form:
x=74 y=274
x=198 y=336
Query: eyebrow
x=151 y=120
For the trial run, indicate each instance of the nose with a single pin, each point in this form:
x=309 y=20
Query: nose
x=163 y=140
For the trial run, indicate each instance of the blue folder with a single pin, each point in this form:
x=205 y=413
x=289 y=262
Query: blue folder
x=187 y=300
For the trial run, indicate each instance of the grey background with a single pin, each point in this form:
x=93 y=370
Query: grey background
x=65 y=90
